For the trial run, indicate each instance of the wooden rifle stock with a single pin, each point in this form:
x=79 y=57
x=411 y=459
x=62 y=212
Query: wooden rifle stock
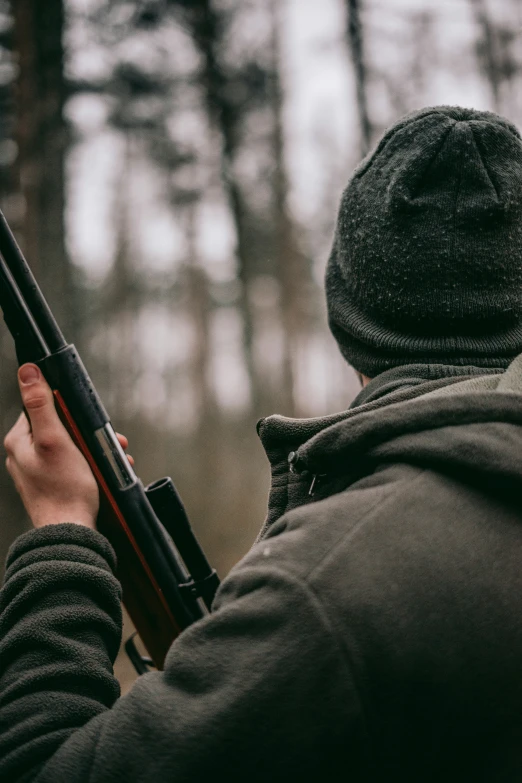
x=142 y=595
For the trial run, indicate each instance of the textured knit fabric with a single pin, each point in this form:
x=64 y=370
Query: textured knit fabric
x=374 y=633
x=427 y=258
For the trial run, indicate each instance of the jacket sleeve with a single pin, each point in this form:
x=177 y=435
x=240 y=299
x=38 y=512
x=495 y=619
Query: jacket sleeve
x=258 y=690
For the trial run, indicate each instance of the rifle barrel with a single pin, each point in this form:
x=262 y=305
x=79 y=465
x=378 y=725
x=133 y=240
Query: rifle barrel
x=29 y=288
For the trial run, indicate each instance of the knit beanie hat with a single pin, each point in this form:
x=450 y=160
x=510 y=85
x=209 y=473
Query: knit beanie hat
x=426 y=265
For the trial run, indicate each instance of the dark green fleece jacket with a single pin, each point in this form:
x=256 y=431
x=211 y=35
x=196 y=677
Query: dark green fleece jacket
x=373 y=633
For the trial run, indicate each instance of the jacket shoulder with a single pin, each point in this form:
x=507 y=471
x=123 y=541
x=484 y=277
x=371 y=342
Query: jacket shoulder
x=402 y=557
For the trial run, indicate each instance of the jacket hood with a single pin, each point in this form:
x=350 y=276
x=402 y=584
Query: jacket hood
x=467 y=425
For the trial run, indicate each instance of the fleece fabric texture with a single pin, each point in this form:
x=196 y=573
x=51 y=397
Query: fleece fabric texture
x=373 y=633
x=426 y=264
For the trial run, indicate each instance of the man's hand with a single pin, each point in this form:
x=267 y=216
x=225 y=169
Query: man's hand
x=51 y=475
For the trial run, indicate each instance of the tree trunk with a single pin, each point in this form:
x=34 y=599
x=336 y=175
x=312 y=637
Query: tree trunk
x=42 y=142
x=121 y=299
x=489 y=55
x=200 y=311
x=38 y=173
x=207 y=29
x=356 y=47
x=292 y=268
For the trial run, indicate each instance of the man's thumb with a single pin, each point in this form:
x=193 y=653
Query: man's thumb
x=38 y=401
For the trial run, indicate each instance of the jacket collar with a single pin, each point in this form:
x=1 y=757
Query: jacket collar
x=412 y=375
x=303 y=451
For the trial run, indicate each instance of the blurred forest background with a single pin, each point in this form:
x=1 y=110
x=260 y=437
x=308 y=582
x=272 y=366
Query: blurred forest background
x=172 y=169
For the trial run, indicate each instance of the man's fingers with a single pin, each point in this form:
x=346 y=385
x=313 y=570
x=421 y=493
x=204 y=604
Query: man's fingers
x=124 y=442
x=21 y=425
x=38 y=401
x=19 y=430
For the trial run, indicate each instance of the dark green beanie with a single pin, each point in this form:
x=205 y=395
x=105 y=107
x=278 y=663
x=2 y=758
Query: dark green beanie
x=427 y=259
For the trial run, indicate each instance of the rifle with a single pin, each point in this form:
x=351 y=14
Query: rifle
x=166 y=579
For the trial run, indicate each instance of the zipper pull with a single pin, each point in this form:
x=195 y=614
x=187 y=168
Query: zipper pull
x=312 y=486
x=315 y=482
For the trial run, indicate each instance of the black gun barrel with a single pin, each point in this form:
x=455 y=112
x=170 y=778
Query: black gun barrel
x=18 y=316
x=29 y=288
